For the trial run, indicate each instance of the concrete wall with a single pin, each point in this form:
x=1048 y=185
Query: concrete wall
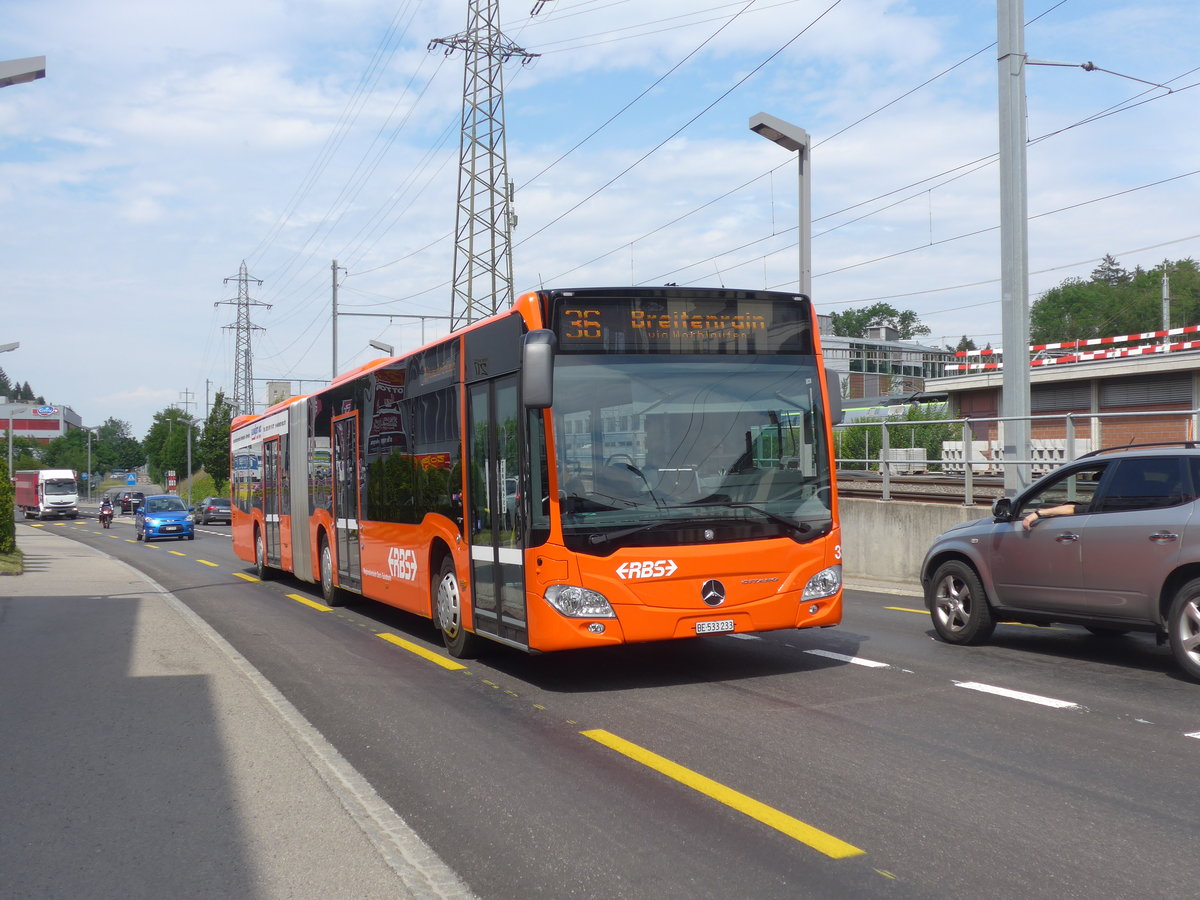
x=887 y=540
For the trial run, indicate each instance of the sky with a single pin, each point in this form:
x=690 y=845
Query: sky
x=171 y=141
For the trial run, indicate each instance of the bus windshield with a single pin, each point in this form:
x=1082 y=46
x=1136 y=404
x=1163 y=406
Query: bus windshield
x=689 y=450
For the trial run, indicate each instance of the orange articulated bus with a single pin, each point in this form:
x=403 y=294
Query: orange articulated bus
x=591 y=467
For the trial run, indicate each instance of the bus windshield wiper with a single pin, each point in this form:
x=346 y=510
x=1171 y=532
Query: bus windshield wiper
x=604 y=537
x=798 y=527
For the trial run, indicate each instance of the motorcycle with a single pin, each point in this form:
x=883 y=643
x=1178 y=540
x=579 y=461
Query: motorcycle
x=106 y=516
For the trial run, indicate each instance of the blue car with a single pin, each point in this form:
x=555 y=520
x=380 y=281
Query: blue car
x=163 y=516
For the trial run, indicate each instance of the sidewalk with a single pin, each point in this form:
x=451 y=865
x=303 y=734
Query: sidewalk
x=141 y=756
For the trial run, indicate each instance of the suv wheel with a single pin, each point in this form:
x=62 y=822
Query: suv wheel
x=1183 y=628
x=958 y=605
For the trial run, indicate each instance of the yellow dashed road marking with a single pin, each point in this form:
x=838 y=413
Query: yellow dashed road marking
x=299 y=598
x=422 y=652
x=792 y=827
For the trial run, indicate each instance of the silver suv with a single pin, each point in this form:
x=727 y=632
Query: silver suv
x=1110 y=541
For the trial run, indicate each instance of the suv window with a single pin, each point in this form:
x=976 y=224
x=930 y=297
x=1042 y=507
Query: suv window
x=1146 y=483
x=1077 y=486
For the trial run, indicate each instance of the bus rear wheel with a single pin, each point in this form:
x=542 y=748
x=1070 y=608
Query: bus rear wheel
x=448 y=614
x=333 y=596
x=261 y=569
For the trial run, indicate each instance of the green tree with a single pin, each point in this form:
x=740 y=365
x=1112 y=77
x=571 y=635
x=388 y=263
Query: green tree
x=1110 y=272
x=1115 y=302
x=166 y=445
x=8 y=526
x=27 y=453
x=213 y=445
x=918 y=427
x=963 y=345
x=69 y=451
x=855 y=322
x=120 y=449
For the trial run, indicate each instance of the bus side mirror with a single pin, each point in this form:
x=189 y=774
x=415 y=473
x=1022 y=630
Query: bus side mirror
x=537 y=369
x=833 y=387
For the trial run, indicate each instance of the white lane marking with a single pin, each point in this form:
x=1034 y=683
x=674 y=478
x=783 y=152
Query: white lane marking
x=745 y=637
x=856 y=660
x=1193 y=734
x=1017 y=695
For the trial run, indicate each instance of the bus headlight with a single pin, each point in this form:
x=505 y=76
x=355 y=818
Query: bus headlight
x=578 y=602
x=824 y=584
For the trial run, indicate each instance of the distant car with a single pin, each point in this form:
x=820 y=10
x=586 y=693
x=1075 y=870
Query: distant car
x=129 y=499
x=162 y=516
x=214 y=509
x=1110 y=541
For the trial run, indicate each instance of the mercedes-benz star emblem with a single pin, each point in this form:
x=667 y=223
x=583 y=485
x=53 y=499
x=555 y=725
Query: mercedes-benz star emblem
x=713 y=592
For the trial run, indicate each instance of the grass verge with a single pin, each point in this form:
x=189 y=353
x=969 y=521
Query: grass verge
x=12 y=563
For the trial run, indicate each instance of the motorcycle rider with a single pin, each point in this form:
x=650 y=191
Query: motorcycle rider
x=106 y=512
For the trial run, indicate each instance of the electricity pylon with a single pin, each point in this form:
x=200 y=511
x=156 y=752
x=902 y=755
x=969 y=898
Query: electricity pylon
x=243 y=362
x=483 y=226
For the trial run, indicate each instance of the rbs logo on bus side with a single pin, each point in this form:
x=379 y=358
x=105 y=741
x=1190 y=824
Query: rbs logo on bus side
x=647 y=568
x=402 y=563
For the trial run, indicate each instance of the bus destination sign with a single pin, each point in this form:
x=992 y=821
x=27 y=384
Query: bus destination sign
x=692 y=325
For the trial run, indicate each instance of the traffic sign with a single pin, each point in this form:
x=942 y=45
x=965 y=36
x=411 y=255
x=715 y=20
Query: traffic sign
x=131 y=479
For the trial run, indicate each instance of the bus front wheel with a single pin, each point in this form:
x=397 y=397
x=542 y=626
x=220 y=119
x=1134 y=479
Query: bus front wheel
x=448 y=614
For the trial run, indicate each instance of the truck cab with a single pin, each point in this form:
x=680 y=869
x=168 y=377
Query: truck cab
x=46 y=493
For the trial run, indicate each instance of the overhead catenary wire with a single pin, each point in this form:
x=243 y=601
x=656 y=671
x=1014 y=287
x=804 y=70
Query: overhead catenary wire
x=366 y=83
x=625 y=245
x=681 y=128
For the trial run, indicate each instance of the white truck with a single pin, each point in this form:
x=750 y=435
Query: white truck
x=42 y=493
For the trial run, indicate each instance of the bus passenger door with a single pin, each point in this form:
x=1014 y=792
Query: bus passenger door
x=272 y=499
x=345 y=502
x=494 y=517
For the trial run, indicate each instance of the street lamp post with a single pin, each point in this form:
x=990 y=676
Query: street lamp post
x=190 y=424
x=794 y=138
x=380 y=345
x=4 y=348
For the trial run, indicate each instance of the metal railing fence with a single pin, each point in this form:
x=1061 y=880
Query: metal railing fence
x=973 y=446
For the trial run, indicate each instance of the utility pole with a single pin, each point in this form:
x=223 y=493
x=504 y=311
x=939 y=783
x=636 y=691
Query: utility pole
x=334 y=269
x=484 y=222
x=1166 y=300
x=1014 y=243
x=243 y=361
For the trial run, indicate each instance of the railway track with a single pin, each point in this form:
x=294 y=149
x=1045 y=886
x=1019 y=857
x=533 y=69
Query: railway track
x=920 y=488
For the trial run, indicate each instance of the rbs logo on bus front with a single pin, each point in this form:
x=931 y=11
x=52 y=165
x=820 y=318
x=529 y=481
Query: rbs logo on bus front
x=647 y=568
x=402 y=563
